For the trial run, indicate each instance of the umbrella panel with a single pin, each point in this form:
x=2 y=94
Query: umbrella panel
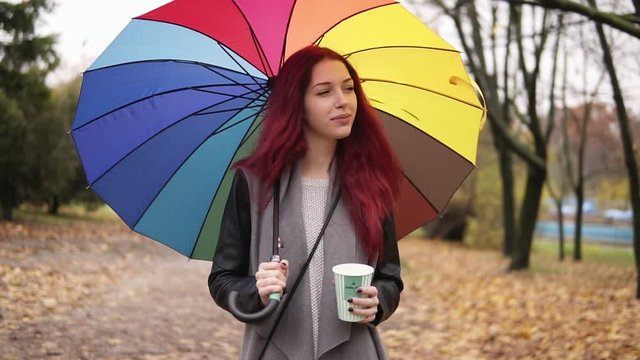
x=187 y=197
x=208 y=237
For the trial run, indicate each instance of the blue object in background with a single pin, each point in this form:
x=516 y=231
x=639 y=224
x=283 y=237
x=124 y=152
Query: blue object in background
x=594 y=232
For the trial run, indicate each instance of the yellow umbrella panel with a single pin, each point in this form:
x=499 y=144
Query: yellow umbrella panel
x=430 y=112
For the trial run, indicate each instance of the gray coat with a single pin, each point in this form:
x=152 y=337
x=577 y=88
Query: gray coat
x=246 y=241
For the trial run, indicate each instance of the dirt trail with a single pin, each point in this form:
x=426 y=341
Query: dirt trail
x=154 y=305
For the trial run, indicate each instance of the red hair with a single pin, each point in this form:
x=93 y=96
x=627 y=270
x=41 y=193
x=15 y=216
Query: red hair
x=367 y=169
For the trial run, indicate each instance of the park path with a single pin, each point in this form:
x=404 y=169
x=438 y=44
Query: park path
x=144 y=301
x=92 y=290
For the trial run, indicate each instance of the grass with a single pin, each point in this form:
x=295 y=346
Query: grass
x=68 y=214
x=591 y=253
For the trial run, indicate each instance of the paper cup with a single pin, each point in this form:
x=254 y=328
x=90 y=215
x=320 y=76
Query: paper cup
x=349 y=277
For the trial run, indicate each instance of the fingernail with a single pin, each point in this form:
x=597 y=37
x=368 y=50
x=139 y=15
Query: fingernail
x=359 y=290
x=350 y=309
x=350 y=300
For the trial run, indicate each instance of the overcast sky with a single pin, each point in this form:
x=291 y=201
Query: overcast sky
x=86 y=27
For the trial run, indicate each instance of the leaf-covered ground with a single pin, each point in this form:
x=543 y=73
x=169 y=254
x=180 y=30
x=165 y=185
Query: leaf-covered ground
x=95 y=290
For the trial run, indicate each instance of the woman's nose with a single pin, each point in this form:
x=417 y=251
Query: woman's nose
x=341 y=99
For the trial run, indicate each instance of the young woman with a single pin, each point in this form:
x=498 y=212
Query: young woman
x=320 y=138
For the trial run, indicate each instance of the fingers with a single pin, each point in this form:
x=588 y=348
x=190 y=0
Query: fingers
x=270 y=286
x=368 y=313
x=366 y=302
x=273 y=269
x=368 y=291
x=366 y=306
x=271 y=277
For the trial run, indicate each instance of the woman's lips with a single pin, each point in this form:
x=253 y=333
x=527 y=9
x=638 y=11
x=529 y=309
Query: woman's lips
x=342 y=119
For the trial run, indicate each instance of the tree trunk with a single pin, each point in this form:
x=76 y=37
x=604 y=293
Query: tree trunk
x=528 y=217
x=578 y=183
x=508 y=201
x=627 y=146
x=7 y=213
x=54 y=205
x=6 y=203
x=560 y=230
x=577 y=237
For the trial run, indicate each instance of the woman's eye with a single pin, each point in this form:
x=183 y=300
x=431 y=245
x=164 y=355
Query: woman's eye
x=349 y=88
x=323 y=92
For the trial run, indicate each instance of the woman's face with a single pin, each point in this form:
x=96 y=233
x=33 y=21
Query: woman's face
x=330 y=102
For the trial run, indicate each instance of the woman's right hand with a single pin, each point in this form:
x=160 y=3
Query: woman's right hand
x=271 y=278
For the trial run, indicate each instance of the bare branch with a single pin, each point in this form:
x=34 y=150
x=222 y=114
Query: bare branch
x=622 y=22
x=552 y=96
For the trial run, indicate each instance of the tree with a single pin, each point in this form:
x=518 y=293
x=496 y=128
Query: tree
x=53 y=157
x=579 y=120
x=626 y=22
x=510 y=74
x=627 y=142
x=12 y=131
x=25 y=60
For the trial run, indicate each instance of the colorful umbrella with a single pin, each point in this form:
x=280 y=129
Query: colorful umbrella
x=176 y=99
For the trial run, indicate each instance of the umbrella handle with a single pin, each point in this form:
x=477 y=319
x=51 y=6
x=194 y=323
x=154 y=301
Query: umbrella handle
x=250 y=318
x=274 y=300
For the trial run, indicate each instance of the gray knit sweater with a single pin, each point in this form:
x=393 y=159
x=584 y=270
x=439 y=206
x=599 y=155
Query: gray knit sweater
x=314 y=200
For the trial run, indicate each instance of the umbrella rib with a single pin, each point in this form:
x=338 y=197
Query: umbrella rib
x=427 y=200
x=220 y=183
x=224 y=48
x=347 y=55
x=363 y=80
x=214 y=69
x=222 y=129
x=319 y=39
x=223 y=45
x=180 y=166
x=257 y=44
x=197 y=88
x=221 y=111
x=425 y=134
x=286 y=32
x=244 y=96
x=420 y=192
x=246 y=138
x=254 y=130
x=154 y=136
x=251 y=133
x=180 y=61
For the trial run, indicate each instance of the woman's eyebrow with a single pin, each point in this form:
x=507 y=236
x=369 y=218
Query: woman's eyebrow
x=329 y=83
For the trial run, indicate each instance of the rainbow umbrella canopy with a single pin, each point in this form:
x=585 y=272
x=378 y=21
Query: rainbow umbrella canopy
x=177 y=97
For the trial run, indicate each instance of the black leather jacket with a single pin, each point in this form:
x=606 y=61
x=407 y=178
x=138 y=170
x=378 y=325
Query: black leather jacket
x=230 y=270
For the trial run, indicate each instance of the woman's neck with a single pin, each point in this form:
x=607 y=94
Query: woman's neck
x=317 y=161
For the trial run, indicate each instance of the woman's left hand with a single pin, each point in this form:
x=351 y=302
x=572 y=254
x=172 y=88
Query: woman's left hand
x=367 y=305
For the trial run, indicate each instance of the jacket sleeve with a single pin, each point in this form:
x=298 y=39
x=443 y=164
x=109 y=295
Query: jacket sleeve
x=386 y=277
x=230 y=269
